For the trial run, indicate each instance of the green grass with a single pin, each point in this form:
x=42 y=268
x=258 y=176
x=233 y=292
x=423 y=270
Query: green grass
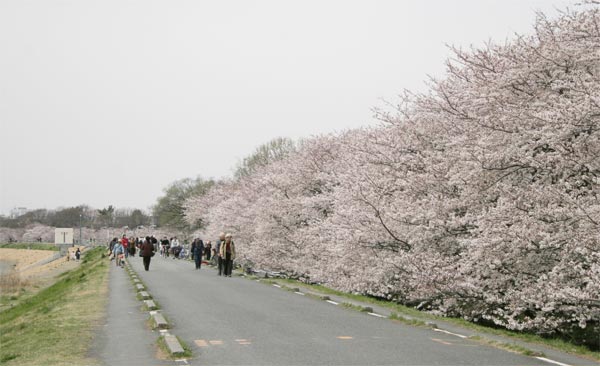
x=350 y=306
x=555 y=343
x=36 y=246
x=512 y=347
x=55 y=326
x=409 y=321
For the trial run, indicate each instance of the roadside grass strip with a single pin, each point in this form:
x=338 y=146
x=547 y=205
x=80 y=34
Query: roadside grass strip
x=33 y=246
x=512 y=347
x=55 y=326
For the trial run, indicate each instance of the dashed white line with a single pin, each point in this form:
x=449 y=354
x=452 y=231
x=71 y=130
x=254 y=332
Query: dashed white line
x=276 y=285
x=454 y=334
x=299 y=293
x=332 y=302
x=377 y=315
x=552 y=361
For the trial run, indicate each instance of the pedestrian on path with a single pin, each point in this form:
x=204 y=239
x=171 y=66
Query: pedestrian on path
x=111 y=246
x=207 y=250
x=175 y=247
x=219 y=258
x=228 y=254
x=78 y=254
x=132 y=246
x=147 y=252
x=198 y=250
x=125 y=243
x=164 y=245
x=118 y=253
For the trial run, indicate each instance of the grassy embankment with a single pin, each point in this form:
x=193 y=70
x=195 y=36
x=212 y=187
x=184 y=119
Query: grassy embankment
x=397 y=309
x=34 y=246
x=54 y=326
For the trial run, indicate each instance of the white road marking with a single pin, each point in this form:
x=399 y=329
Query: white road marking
x=299 y=293
x=377 y=315
x=332 y=302
x=276 y=285
x=552 y=361
x=454 y=334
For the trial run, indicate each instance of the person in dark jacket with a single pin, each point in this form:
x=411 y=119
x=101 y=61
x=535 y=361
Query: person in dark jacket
x=207 y=250
x=197 y=252
x=147 y=251
x=228 y=255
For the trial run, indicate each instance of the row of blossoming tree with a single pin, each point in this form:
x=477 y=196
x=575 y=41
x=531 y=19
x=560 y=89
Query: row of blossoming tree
x=478 y=199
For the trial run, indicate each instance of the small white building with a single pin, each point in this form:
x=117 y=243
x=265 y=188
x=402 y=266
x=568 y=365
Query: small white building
x=18 y=211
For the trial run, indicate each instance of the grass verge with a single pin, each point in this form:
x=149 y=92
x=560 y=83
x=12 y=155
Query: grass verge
x=55 y=326
x=34 y=246
x=512 y=347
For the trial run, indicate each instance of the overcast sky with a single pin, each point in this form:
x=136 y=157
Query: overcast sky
x=107 y=102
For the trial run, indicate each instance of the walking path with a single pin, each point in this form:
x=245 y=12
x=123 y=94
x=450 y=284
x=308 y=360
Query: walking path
x=125 y=339
x=236 y=321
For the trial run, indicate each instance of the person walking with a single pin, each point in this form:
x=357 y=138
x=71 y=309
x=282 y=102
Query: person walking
x=197 y=252
x=111 y=246
x=175 y=247
x=218 y=248
x=207 y=250
x=125 y=244
x=147 y=252
x=193 y=249
x=164 y=244
x=132 y=246
x=154 y=242
x=78 y=254
x=118 y=253
x=228 y=254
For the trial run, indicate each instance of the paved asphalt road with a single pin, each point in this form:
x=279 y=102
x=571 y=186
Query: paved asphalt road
x=124 y=339
x=235 y=321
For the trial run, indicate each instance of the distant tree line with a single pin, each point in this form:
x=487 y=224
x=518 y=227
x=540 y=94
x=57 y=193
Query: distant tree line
x=83 y=215
x=170 y=210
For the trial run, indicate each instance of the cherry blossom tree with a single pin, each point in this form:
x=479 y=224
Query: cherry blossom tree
x=478 y=199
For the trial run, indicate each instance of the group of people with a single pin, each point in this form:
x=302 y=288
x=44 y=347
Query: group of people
x=173 y=248
x=223 y=254
x=124 y=247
